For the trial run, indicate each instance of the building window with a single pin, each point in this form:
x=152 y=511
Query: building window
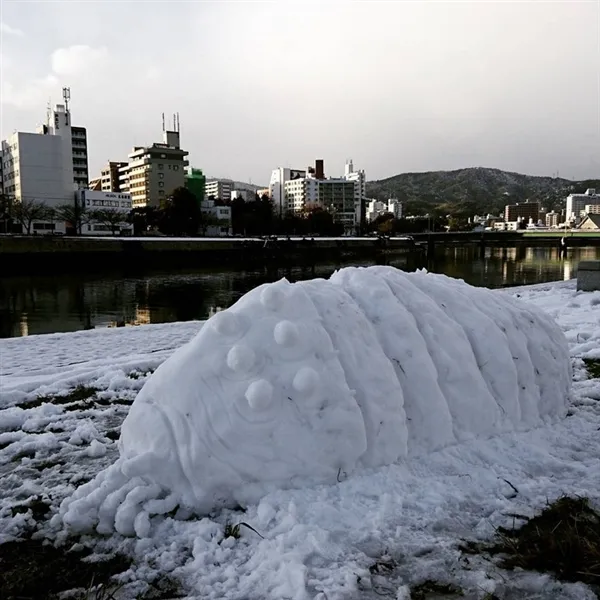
x=175 y=167
x=161 y=184
x=161 y=192
x=161 y=166
x=161 y=175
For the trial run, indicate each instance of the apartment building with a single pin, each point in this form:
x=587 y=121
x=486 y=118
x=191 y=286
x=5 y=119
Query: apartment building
x=80 y=156
x=522 y=212
x=153 y=172
x=33 y=169
x=109 y=176
x=592 y=209
x=552 y=219
x=219 y=189
x=375 y=208
x=48 y=165
x=337 y=196
x=279 y=178
x=576 y=204
x=360 y=192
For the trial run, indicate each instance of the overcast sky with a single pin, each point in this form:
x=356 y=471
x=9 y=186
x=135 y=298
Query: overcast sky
x=398 y=86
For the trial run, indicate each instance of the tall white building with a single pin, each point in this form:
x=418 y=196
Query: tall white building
x=279 y=177
x=576 y=204
x=49 y=165
x=360 y=198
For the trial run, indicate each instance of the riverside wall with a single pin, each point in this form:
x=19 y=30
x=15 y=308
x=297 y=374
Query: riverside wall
x=60 y=253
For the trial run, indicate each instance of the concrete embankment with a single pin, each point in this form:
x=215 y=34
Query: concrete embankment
x=33 y=253
x=54 y=253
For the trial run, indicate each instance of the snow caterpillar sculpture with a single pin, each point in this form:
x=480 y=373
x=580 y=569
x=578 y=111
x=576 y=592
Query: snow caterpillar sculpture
x=297 y=384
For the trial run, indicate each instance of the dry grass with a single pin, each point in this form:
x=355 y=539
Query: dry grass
x=592 y=366
x=434 y=589
x=31 y=570
x=564 y=539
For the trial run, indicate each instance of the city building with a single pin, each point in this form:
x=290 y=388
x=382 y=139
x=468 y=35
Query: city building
x=195 y=181
x=95 y=184
x=375 y=208
x=221 y=215
x=576 y=204
x=245 y=195
x=552 y=219
x=279 y=177
x=80 y=156
x=46 y=166
x=103 y=213
x=360 y=197
x=592 y=209
x=219 y=189
x=264 y=192
x=335 y=195
x=590 y=223
x=524 y=212
x=153 y=172
x=109 y=176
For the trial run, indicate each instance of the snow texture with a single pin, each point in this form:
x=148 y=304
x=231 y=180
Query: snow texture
x=301 y=384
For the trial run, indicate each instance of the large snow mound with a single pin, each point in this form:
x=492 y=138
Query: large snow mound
x=306 y=383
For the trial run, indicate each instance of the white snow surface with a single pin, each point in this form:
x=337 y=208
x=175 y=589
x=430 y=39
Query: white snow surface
x=318 y=541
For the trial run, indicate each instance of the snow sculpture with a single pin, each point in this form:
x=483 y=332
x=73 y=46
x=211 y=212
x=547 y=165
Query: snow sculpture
x=304 y=383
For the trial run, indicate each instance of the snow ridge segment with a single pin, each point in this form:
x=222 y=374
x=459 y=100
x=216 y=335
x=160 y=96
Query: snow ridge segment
x=301 y=384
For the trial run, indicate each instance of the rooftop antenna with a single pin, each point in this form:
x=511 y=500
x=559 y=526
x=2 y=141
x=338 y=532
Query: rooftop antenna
x=163 y=121
x=178 y=126
x=66 y=96
x=48 y=112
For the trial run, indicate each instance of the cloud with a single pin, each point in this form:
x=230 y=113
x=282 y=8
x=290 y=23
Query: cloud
x=76 y=60
x=6 y=29
x=32 y=95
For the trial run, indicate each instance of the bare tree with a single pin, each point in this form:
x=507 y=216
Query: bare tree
x=113 y=219
x=74 y=214
x=27 y=211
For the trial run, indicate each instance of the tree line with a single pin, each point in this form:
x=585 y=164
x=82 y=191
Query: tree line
x=181 y=214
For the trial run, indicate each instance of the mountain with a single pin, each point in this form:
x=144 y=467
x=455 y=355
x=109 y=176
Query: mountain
x=476 y=190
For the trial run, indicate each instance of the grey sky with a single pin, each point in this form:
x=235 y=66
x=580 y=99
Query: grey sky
x=398 y=86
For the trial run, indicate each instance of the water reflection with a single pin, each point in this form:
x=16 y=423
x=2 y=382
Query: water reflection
x=45 y=304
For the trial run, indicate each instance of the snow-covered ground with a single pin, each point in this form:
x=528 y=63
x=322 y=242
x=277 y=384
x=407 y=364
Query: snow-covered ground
x=318 y=542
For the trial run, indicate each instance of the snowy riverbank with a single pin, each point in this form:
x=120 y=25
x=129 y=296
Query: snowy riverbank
x=316 y=541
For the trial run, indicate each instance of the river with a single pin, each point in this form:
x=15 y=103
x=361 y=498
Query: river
x=47 y=304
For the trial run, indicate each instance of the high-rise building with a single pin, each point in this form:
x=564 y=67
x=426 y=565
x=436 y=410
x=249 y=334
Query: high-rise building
x=279 y=177
x=360 y=197
x=335 y=195
x=49 y=165
x=153 y=172
x=109 y=176
x=219 y=189
x=80 y=156
x=576 y=203
x=522 y=212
